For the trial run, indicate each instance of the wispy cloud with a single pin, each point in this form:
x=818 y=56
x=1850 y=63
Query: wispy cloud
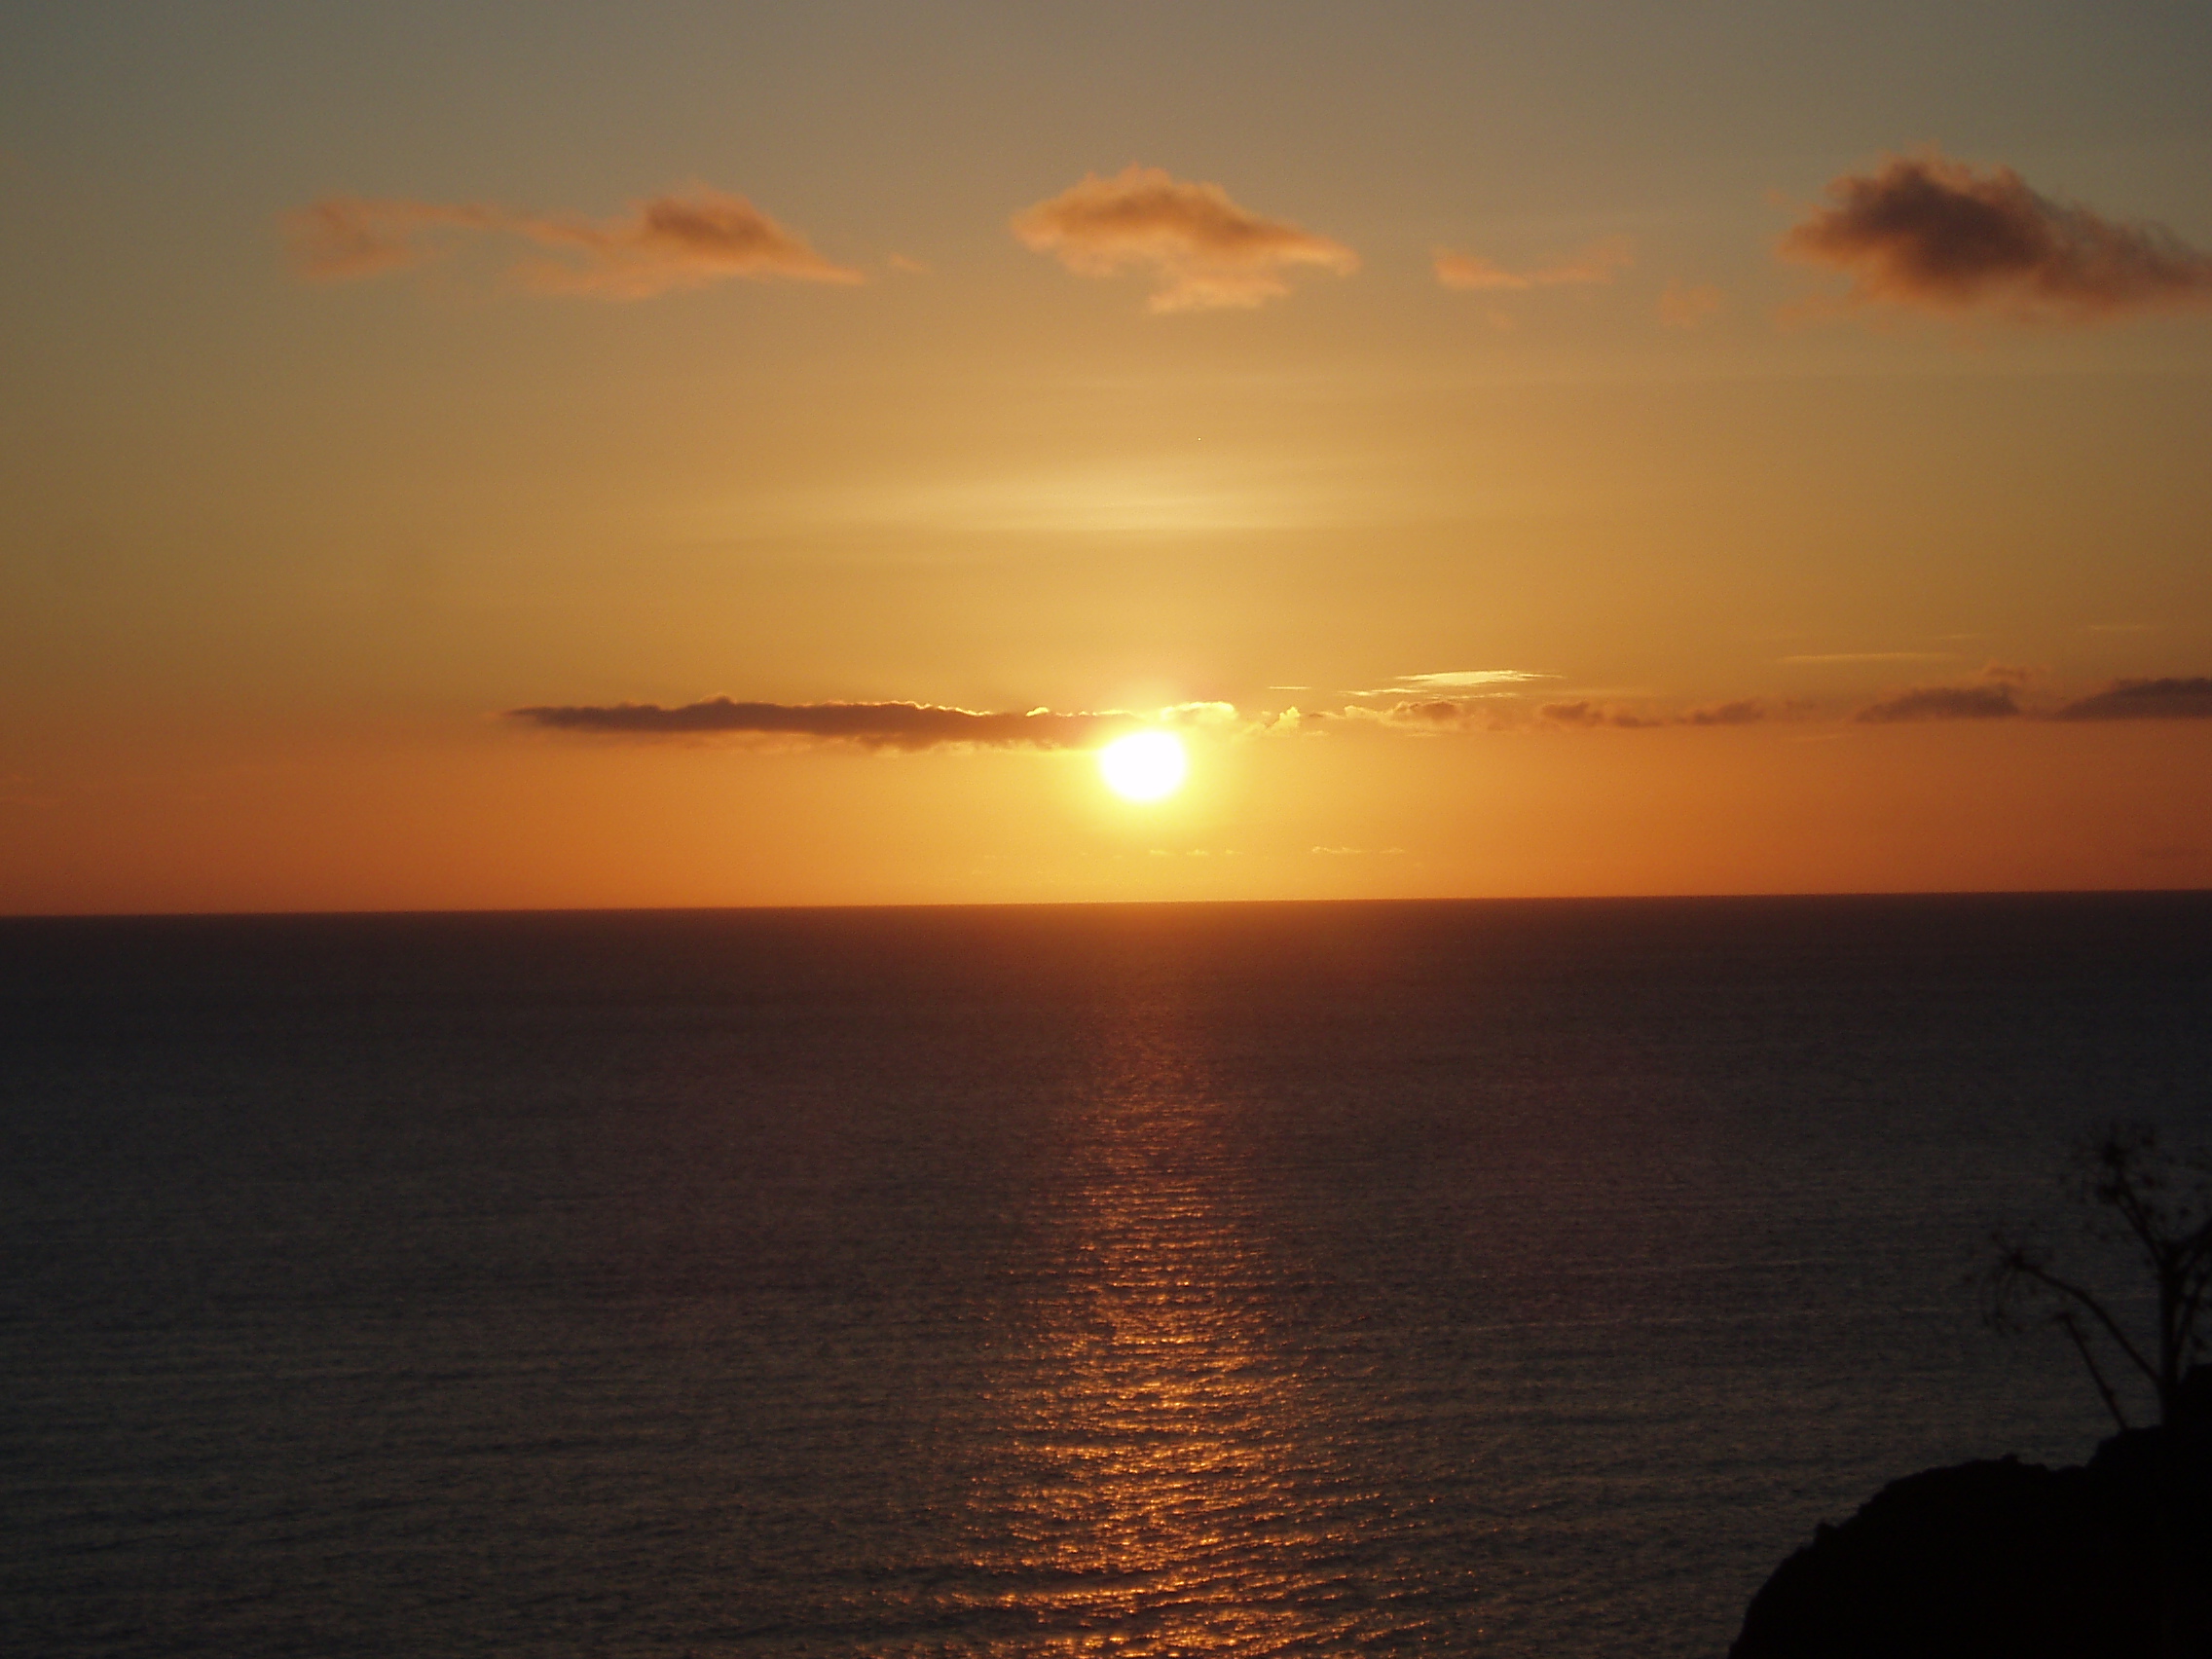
x=1471 y=676
x=1599 y=261
x=1202 y=249
x=1590 y=715
x=1463 y=681
x=1442 y=715
x=2145 y=700
x=1943 y=703
x=1426 y=716
x=1433 y=714
x=665 y=243
x=342 y=239
x=1930 y=234
x=1872 y=656
x=1587 y=715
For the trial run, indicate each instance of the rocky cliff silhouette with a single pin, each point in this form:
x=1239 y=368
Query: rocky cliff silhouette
x=2005 y=1560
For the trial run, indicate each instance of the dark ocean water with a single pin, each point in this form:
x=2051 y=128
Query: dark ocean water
x=1430 y=1278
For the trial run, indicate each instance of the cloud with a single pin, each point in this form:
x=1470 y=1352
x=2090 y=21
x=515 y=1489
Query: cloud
x=1202 y=249
x=1587 y=715
x=872 y=726
x=1685 y=307
x=1421 y=716
x=665 y=243
x=1872 y=656
x=2168 y=699
x=1943 y=703
x=1463 y=680
x=1745 y=711
x=1480 y=712
x=2144 y=700
x=1429 y=713
x=342 y=238
x=1472 y=677
x=1933 y=235
x=1597 y=263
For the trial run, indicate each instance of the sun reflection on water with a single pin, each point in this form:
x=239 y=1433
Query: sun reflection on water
x=1180 y=1486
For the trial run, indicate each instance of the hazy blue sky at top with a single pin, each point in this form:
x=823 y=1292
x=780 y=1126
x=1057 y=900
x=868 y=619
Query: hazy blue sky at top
x=912 y=122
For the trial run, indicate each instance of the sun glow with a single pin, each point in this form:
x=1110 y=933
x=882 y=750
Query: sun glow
x=1146 y=765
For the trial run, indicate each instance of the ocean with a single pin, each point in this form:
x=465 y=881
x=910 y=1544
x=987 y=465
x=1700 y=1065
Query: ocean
x=1489 y=1279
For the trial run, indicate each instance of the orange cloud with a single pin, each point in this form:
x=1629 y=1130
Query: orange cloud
x=1203 y=250
x=1599 y=261
x=666 y=243
x=1930 y=234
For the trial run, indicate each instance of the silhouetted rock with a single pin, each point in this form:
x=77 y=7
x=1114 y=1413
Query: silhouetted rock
x=2009 y=1561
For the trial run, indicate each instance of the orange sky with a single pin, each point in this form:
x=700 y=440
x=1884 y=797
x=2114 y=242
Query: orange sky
x=1561 y=451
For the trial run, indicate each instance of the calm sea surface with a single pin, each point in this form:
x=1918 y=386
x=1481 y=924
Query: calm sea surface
x=1434 y=1278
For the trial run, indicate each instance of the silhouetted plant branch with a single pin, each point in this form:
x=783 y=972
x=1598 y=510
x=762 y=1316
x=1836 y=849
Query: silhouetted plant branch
x=2157 y=1206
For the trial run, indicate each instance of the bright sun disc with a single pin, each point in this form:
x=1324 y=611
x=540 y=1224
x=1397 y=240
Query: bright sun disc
x=1144 y=765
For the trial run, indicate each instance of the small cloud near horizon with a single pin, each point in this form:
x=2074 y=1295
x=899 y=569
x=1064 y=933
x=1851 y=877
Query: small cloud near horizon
x=1929 y=233
x=667 y=243
x=2161 y=699
x=2169 y=699
x=1943 y=703
x=1585 y=715
x=1599 y=261
x=1745 y=710
x=1203 y=250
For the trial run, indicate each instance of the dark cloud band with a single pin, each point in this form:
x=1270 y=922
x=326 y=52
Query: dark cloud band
x=2168 y=699
x=872 y=725
x=1943 y=703
x=2145 y=700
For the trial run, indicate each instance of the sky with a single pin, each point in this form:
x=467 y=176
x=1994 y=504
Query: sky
x=700 y=454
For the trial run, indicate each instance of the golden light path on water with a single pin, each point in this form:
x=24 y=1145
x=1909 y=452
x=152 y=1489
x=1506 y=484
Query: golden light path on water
x=1184 y=1495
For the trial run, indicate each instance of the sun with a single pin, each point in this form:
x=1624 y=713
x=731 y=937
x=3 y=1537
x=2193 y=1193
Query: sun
x=1145 y=765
